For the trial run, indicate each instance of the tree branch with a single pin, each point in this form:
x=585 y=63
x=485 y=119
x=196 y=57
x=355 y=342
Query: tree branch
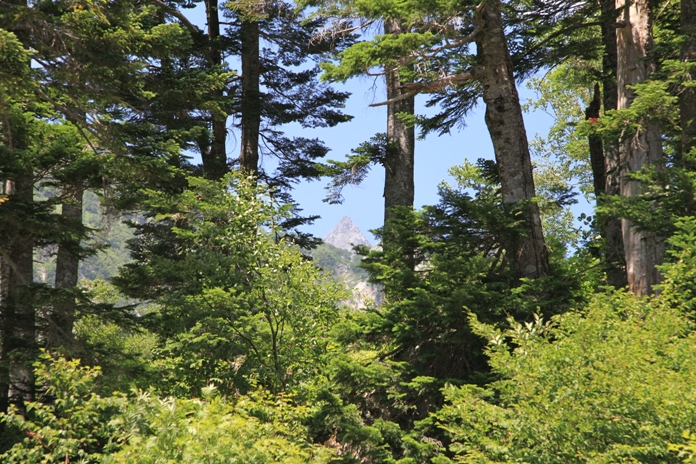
x=414 y=88
x=459 y=42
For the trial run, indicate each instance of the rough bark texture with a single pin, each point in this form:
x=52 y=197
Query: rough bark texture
x=60 y=332
x=613 y=235
x=18 y=349
x=251 y=97
x=507 y=131
x=643 y=251
x=687 y=97
x=214 y=155
x=399 y=187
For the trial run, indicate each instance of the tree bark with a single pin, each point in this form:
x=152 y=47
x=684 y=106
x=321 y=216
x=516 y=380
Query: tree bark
x=399 y=186
x=613 y=235
x=214 y=155
x=60 y=333
x=251 y=97
x=18 y=350
x=644 y=148
x=687 y=95
x=507 y=131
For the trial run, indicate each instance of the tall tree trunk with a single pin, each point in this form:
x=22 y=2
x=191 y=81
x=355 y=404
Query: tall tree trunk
x=399 y=186
x=60 y=333
x=18 y=350
x=214 y=155
x=643 y=251
x=613 y=235
x=687 y=96
x=251 y=97
x=507 y=131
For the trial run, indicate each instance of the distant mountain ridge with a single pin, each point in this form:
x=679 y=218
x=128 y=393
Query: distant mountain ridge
x=345 y=235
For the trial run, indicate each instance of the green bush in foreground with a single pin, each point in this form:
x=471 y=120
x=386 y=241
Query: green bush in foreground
x=72 y=425
x=77 y=425
x=612 y=383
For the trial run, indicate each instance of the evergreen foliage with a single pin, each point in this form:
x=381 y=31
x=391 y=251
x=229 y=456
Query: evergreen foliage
x=200 y=332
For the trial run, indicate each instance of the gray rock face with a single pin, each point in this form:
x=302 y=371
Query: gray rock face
x=346 y=234
x=336 y=256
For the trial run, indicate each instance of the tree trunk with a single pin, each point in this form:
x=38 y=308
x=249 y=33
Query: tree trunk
x=599 y=175
x=613 y=236
x=643 y=251
x=18 y=325
x=687 y=96
x=214 y=155
x=60 y=332
x=18 y=350
x=399 y=186
x=251 y=97
x=507 y=131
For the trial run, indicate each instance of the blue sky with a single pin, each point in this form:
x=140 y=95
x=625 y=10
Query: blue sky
x=434 y=156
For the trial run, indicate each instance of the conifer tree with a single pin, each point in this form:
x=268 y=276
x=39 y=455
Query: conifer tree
x=278 y=86
x=399 y=159
x=436 y=44
x=84 y=89
x=17 y=319
x=506 y=127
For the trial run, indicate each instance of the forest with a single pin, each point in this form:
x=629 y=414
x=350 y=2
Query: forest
x=159 y=302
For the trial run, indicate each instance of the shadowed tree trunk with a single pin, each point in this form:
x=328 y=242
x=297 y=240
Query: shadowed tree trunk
x=613 y=235
x=687 y=96
x=251 y=97
x=507 y=131
x=399 y=187
x=18 y=350
x=17 y=318
x=67 y=267
x=643 y=251
x=213 y=153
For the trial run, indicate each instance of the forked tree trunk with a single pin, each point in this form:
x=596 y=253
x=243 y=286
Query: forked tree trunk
x=613 y=235
x=18 y=350
x=507 y=131
x=399 y=186
x=251 y=97
x=644 y=148
x=214 y=154
x=687 y=96
x=60 y=333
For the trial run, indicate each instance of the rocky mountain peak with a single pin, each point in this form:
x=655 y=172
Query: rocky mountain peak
x=346 y=234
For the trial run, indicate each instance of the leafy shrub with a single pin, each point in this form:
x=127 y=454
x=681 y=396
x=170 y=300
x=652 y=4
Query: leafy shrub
x=610 y=383
x=71 y=424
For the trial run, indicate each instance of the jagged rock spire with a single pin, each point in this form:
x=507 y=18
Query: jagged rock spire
x=346 y=234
